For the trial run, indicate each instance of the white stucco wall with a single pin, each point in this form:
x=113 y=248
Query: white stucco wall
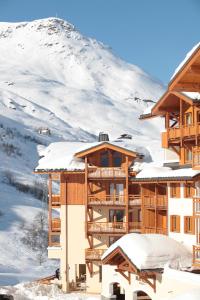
x=182 y=207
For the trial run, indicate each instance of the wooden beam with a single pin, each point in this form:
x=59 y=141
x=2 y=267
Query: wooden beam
x=187 y=86
x=126 y=196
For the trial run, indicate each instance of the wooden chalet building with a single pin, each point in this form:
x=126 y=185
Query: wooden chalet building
x=95 y=204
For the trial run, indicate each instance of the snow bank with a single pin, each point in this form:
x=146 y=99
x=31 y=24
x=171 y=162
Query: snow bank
x=33 y=291
x=152 y=251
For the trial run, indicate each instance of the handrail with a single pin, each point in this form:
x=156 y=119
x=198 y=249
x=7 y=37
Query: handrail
x=97 y=172
x=152 y=201
x=94 y=254
x=106 y=227
x=55 y=224
x=113 y=199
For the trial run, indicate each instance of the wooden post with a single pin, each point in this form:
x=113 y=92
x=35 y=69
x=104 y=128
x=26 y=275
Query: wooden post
x=50 y=208
x=86 y=196
x=181 y=121
x=126 y=197
x=156 y=192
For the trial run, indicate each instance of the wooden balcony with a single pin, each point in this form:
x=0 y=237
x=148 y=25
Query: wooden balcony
x=106 y=173
x=55 y=225
x=113 y=200
x=55 y=201
x=196 y=158
x=94 y=254
x=106 y=227
x=54 y=239
x=196 y=206
x=175 y=133
x=159 y=201
x=134 y=200
x=154 y=230
x=134 y=226
x=107 y=200
x=196 y=256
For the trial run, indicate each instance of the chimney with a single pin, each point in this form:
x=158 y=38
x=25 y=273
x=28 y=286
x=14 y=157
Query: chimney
x=103 y=137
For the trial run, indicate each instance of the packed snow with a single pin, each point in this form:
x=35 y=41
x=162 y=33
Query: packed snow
x=187 y=57
x=152 y=251
x=189 y=295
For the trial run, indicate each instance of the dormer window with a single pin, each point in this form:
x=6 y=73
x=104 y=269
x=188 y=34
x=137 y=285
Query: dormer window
x=117 y=159
x=104 y=159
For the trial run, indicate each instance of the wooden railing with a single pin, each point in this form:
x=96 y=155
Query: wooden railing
x=55 y=225
x=106 y=227
x=184 y=131
x=196 y=256
x=106 y=172
x=55 y=200
x=106 y=200
x=113 y=200
x=94 y=254
x=134 y=226
x=155 y=230
x=54 y=239
x=196 y=157
x=196 y=206
x=134 y=200
x=159 y=201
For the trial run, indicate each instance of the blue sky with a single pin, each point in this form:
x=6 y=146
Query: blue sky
x=153 y=34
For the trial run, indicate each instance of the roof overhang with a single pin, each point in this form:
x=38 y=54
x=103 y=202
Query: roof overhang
x=188 y=77
x=105 y=145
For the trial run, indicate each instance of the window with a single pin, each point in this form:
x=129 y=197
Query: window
x=104 y=159
x=198 y=117
x=116 y=215
x=189 y=225
x=175 y=223
x=113 y=239
x=188 y=155
x=175 y=190
x=189 y=190
x=117 y=159
x=100 y=273
x=188 y=118
x=117 y=191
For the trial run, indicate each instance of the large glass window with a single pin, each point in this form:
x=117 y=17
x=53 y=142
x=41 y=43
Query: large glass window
x=116 y=215
x=117 y=159
x=104 y=159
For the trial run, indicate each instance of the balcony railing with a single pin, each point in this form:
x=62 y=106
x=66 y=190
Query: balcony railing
x=196 y=157
x=178 y=132
x=106 y=227
x=106 y=200
x=94 y=254
x=118 y=200
x=55 y=200
x=134 y=226
x=106 y=172
x=155 y=230
x=196 y=256
x=196 y=206
x=159 y=201
x=55 y=225
x=134 y=200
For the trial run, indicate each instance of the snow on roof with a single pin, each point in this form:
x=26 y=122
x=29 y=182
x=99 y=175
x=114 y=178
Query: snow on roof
x=148 y=109
x=60 y=155
x=188 y=295
x=192 y=95
x=188 y=55
x=153 y=171
x=152 y=251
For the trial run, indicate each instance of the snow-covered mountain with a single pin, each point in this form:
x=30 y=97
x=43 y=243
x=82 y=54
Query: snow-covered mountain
x=56 y=84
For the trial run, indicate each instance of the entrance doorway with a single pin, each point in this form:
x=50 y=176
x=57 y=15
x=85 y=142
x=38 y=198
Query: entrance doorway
x=117 y=291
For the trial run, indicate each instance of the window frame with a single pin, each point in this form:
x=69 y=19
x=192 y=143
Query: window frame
x=189 y=225
x=175 y=223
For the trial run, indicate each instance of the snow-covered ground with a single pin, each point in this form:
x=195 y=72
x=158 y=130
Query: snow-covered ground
x=55 y=85
x=32 y=291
